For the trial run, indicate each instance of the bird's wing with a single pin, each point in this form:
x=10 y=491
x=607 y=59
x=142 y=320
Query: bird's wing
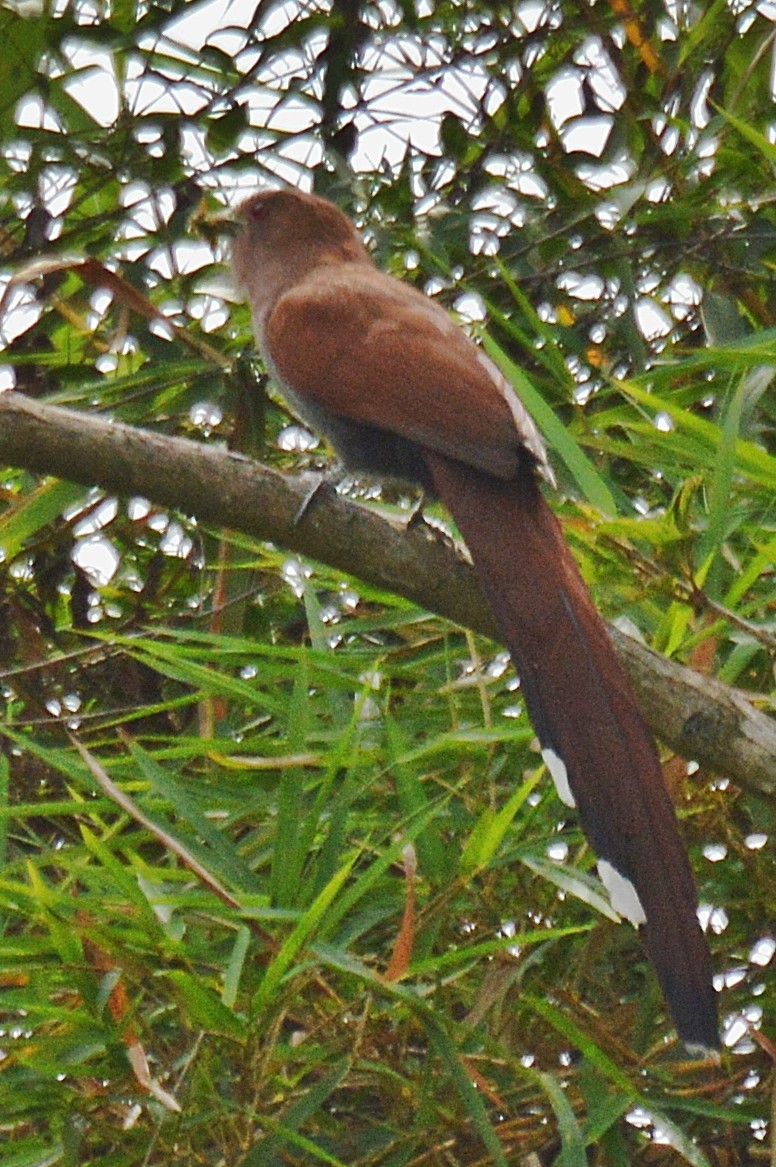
x=415 y=372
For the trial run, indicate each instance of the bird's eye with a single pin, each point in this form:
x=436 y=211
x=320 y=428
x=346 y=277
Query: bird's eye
x=259 y=211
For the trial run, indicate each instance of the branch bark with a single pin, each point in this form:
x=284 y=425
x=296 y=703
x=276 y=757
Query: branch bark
x=696 y=716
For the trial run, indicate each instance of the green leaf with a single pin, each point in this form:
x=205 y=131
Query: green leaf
x=675 y=1137
x=558 y=437
x=572 y=1151
x=710 y=542
x=223 y=131
x=490 y=828
x=581 y=1041
x=22 y=41
x=31 y=512
x=235 y=967
x=301 y=934
x=763 y=144
x=750 y=458
x=33 y=1153
x=285 y=1129
x=573 y=882
x=217 y=852
x=204 y=1008
x=471 y=1097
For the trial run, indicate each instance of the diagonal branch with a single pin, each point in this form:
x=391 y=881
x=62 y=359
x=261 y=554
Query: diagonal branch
x=696 y=716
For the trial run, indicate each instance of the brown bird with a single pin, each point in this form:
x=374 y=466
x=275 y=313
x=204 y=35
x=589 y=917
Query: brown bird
x=401 y=391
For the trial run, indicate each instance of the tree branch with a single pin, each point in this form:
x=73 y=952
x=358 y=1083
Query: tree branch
x=696 y=716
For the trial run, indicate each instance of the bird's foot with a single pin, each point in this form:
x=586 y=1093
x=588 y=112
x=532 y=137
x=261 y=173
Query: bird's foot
x=321 y=483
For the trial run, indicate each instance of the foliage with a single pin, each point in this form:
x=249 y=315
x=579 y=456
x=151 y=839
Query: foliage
x=172 y=691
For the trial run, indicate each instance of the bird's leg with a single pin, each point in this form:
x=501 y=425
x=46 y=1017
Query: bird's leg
x=321 y=482
x=416 y=518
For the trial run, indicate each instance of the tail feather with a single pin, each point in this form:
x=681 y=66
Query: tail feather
x=593 y=736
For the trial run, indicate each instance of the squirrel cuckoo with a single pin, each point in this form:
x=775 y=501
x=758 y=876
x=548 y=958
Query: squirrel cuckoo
x=400 y=390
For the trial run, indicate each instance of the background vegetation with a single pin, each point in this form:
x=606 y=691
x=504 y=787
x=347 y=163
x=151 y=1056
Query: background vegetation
x=283 y=881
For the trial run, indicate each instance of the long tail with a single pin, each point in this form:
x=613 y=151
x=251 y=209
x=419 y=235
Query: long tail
x=593 y=736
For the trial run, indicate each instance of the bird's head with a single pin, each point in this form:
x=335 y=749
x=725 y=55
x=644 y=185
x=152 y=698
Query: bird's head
x=280 y=235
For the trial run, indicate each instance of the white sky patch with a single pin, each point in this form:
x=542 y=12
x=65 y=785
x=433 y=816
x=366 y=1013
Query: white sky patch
x=600 y=74
x=146 y=94
x=730 y=978
x=56 y=185
x=559 y=775
x=175 y=542
x=735 y=1033
x=150 y=209
x=582 y=287
x=297 y=439
x=763 y=951
x=565 y=98
x=180 y=259
x=652 y=320
x=517 y=170
x=138 y=508
x=715 y=852
x=208 y=22
x=21 y=311
x=210 y=310
x=531 y=15
x=622 y=894
x=96 y=519
x=30 y=113
x=470 y=307
x=98 y=557
x=611 y=174
x=589 y=135
x=399 y=107
x=93 y=84
x=558 y=851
